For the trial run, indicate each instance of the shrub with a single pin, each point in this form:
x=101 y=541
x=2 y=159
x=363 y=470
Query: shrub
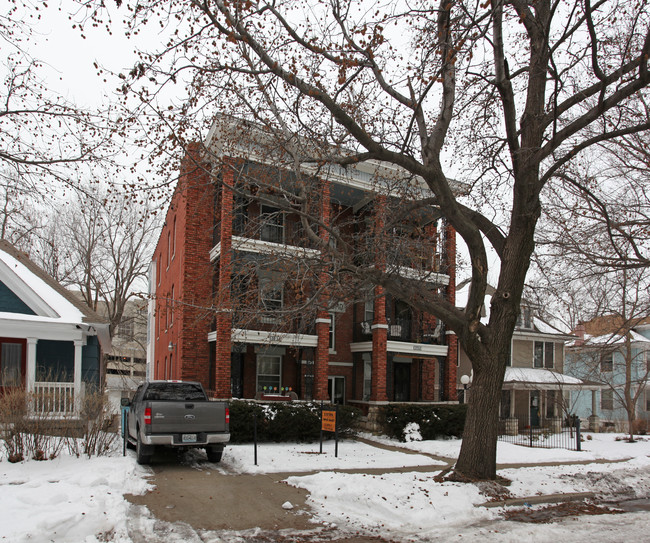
x=434 y=421
x=96 y=416
x=27 y=434
x=33 y=433
x=284 y=422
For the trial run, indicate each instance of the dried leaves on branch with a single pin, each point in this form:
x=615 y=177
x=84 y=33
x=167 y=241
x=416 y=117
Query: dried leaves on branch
x=504 y=96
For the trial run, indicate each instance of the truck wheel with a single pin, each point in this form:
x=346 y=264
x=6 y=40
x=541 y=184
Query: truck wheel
x=214 y=454
x=142 y=452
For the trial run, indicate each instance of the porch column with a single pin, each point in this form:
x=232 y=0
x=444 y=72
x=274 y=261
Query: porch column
x=450 y=391
x=594 y=419
x=512 y=424
x=78 y=345
x=323 y=319
x=379 y=324
x=223 y=358
x=31 y=364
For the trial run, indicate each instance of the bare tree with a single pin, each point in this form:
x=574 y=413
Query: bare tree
x=18 y=214
x=514 y=91
x=46 y=140
x=107 y=241
x=610 y=350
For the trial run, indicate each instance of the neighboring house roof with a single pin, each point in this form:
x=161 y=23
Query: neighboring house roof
x=612 y=324
x=538 y=378
x=539 y=326
x=47 y=299
x=608 y=339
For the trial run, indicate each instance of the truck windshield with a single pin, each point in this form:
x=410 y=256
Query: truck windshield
x=174 y=391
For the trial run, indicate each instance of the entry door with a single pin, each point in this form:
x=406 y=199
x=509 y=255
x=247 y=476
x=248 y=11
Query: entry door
x=402 y=381
x=336 y=387
x=237 y=375
x=534 y=407
x=12 y=364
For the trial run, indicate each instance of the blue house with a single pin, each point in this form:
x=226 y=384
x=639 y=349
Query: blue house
x=601 y=353
x=51 y=344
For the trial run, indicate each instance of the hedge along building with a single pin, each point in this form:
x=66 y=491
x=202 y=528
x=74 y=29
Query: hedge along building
x=255 y=284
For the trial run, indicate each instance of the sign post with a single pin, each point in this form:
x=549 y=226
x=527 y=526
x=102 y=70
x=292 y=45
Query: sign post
x=328 y=424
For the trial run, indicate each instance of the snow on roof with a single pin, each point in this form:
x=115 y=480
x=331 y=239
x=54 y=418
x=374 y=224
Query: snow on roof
x=608 y=339
x=539 y=376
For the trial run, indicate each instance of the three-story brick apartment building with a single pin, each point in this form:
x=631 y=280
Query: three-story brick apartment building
x=247 y=300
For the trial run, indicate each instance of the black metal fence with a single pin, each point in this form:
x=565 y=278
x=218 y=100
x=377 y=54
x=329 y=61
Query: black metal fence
x=552 y=434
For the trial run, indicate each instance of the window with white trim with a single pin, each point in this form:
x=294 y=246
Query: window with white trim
x=544 y=354
x=332 y=338
x=269 y=373
x=271 y=224
x=607 y=363
x=272 y=301
x=607 y=400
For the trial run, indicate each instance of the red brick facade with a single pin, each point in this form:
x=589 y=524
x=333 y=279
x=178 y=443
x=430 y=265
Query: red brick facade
x=194 y=326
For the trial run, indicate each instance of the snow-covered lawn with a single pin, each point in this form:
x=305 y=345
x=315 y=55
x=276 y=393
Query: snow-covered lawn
x=68 y=499
x=80 y=500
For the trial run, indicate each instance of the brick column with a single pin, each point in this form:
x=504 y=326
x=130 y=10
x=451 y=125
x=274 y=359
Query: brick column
x=450 y=375
x=322 y=354
x=224 y=306
x=379 y=324
x=428 y=379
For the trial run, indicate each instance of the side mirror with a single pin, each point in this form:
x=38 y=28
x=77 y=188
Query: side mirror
x=125 y=402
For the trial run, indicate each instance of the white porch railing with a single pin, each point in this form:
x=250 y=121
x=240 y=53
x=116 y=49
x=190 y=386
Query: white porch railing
x=56 y=399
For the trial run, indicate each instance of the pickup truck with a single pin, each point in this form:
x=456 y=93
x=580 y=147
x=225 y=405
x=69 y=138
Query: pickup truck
x=175 y=414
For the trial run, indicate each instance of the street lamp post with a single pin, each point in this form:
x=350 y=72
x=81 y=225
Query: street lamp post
x=464 y=379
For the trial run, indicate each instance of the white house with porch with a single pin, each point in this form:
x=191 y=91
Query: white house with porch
x=51 y=344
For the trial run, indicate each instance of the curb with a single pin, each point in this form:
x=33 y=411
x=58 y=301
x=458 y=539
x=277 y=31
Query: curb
x=546 y=498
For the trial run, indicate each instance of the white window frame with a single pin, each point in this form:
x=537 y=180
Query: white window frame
x=609 y=359
x=609 y=392
x=268 y=286
x=331 y=385
x=274 y=219
x=332 y=333
x=544 y=353
x=260 y=357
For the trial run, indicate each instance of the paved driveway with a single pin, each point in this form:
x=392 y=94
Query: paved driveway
x=193 y=497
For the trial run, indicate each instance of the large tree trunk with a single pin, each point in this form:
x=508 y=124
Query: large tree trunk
x=477 y=458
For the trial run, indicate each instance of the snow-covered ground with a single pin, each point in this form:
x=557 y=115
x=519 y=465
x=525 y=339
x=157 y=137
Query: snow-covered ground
x=80 y=500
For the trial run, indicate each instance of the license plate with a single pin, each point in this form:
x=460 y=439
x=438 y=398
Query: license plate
x=188 y=438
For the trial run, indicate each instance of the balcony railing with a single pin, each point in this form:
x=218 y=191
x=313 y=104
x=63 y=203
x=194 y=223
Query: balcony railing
x=403 y=329
x=53 y=398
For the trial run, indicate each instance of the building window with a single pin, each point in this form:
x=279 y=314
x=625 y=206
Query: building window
x=269 y=374
x=607 y=400
x=240 y=214
x=544 y=354
x=607 y=363
x=169 y=248
x=171 y=303
x=367 y=377
x=10 y=364
x=332 y=339
x=125 y=328
x=525 y=319
x=271 y=298
x=336 y=386
x=271 y=224
x=174 y=239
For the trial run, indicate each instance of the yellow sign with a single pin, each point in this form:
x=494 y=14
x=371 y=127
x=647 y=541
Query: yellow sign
x=329 y=421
